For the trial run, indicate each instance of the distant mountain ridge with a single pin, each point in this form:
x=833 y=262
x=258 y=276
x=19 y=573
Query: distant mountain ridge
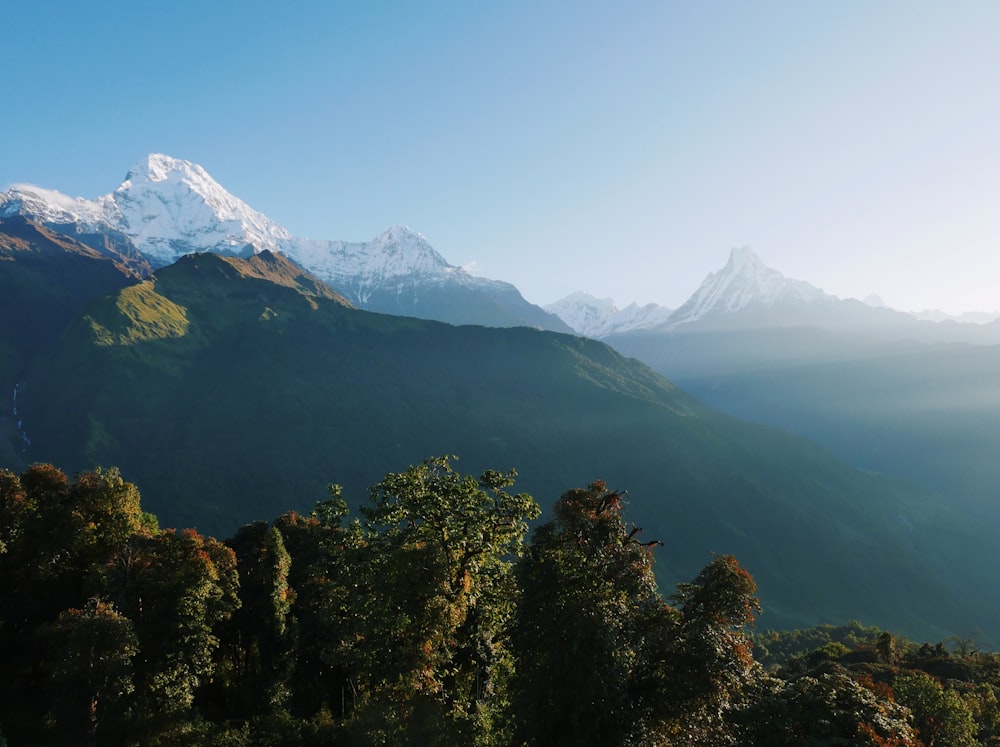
x=167 y=208
x=746 y=294
x=745 y=283
x=744 y=286
x=600 y=317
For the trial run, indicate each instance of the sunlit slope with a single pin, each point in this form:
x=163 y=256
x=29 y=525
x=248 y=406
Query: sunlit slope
x=45 y=280
x=230 y=395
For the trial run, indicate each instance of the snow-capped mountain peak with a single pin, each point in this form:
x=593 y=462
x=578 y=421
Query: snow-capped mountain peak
x=170 y=207
x=743 y=259
x=408 y=249
x=399 y=233
x=49 y=206
x=600 y=317
x=157 y=167
x=745 y=281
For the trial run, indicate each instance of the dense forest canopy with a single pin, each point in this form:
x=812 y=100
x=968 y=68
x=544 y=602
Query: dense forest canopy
x=428 y=618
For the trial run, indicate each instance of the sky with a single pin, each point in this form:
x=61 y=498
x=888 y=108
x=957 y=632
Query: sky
x=616 y=148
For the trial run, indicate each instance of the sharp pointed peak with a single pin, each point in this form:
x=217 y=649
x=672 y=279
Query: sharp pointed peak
x=744 y=256
x=399 y=232
x=158 y=167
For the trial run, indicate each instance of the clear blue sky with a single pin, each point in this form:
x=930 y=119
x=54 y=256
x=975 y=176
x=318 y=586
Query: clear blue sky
x=621 y=148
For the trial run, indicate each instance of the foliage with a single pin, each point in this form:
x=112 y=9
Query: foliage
x=428 y=619
x=440 y=592
x=104 y=605
x=940 y=715
x=774 y=647
x=831 y=709
x=89 y=660
x=588 y=592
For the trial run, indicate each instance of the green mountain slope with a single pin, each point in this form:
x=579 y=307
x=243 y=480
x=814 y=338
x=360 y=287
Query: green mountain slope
x=45 y=281
x=230 y=392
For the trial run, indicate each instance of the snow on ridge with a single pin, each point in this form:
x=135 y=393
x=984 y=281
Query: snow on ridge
x=50 y=205
x=170 y=207
x=398 y=255
x=600 y=317
x=744 y=281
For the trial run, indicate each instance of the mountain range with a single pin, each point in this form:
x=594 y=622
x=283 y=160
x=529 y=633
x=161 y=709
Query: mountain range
x=887 y=391
x=166 y=208
x=148 y=330
x=600 y=317
x=747 y=294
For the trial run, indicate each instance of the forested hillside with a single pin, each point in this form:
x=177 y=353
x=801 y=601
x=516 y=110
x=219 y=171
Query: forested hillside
x=425 y=618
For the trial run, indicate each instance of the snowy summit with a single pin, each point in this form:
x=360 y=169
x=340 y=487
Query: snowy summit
x=744 y=282
x=169 y=207
x=599 y=317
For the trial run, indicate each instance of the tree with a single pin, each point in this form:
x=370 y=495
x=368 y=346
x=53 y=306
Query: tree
x=830 y=709
x=60 y=541
x=325 y=579
x=716 y=610
x=261 y=635
x=940 y=715
x=886 y=648
x=182 y=588
x=436 y=601
x=90 y=654
x=588 y=598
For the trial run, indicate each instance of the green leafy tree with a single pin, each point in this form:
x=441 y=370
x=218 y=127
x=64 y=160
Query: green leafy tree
x=90 y=654
x=437 y=598
x=985 y=707
x=588 y=598
x=182 y=588
x=708 y=656
x=61 y=539
x=324 y=581
x=940 y=715
x=261 y=634
x=832 y=709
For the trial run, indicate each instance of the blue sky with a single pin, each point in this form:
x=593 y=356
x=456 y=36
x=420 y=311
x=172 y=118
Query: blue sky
x=617 y=148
